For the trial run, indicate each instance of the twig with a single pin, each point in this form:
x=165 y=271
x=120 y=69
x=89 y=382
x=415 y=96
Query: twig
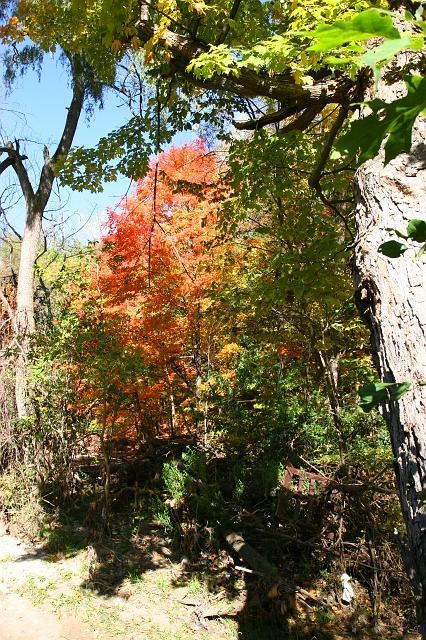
x=246 y=570
x=306 y=595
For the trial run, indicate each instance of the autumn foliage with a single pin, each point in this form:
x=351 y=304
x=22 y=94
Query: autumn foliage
x=148 y=293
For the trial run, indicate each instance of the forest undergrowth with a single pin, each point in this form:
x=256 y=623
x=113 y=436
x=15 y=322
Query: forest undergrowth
x=193 y=417
x=172 y=514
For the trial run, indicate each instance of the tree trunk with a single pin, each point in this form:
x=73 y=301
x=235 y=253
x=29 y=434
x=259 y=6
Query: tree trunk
x=391 y=294
x=36 y=202
x=106 y=469
x=25 y=305
x=172 y=414
x=330 y=366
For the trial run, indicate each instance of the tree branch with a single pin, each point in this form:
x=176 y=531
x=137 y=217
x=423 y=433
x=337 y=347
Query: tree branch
x=227 y=27
x=249 y=83
x=15 y=160
x=270 y=118
x=305 y=119
x=74 y=110
x=314 y=179
x=7 y=162
x=11 y=227
x=316 y=174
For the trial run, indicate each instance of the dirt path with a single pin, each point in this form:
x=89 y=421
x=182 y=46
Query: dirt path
x=21 y=565
x=21 y=620
x=47 y=597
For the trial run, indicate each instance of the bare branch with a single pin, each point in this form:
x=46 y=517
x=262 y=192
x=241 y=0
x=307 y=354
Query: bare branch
x=7 y=162
x=11 y=227
x=264 y=121
x=15 y=160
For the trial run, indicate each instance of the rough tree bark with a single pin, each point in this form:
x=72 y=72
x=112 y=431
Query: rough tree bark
x=391 y=294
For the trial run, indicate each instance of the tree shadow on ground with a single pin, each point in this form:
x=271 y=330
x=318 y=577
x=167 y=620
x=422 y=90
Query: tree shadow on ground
x=208 y=580
x=209 y=587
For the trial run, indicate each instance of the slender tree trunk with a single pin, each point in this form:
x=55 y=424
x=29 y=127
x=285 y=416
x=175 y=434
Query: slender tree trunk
x=391 y=294
x=106 y=468
x=331 y=370
x=36 y=202
x=172 y=407
x=172 y=414
x=25 y=322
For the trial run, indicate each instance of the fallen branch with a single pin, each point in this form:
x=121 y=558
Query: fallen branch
x=270 y=585
x=246 y=570
x=357 y=488
x=255 y=561
x=305 y=596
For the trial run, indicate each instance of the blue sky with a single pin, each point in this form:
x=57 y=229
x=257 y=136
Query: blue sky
x=35 y=111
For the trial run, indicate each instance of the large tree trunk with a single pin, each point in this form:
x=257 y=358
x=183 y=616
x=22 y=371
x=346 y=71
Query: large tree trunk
x=392 y=296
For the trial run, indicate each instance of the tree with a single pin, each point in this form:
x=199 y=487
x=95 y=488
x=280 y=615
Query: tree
x=148 y=293
x=301 y=296
x=257 y=58
x=390 y=294
x=18 y=55
x=35 y=202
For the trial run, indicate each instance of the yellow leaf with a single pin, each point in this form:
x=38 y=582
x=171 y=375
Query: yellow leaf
x=199 y=7
x=230 y=350
x=297 y=76
x=135 y=42
x=149 y=57
x=116 y=46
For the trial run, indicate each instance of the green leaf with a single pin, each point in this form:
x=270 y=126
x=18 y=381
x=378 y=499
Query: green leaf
x=396 y=232
x=400 y=234
x=392 y=248
x=388 y=49
x=420 y=252
x=372 y=22
x=400 y=388
x=394 y=120
x=373 y=394
x=365 y=134
x=419 y=12
x=416 y=230
x=335 y=61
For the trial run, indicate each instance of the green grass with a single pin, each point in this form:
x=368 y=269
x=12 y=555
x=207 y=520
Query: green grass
x=37 y=589
x=162 y=582
x=135 y=577
x=195 y=586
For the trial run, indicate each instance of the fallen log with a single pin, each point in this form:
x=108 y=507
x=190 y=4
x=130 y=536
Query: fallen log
x=251 y=557
x=269 y=587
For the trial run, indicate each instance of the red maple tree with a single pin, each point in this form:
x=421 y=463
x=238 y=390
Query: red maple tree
x=152 y=279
